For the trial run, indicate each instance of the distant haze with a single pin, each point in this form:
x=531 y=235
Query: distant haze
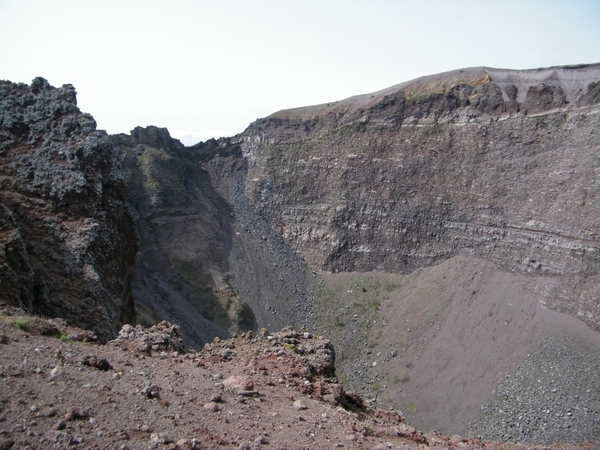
x=206 y=69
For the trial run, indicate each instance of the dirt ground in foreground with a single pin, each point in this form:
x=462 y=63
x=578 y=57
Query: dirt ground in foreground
x=268 y=391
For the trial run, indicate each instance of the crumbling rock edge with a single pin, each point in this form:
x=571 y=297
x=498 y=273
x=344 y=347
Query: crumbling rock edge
x=67 y=239
x=270 y=390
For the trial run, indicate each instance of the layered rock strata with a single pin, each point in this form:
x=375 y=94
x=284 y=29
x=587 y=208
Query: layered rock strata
x=501 y=165
x=425 y=228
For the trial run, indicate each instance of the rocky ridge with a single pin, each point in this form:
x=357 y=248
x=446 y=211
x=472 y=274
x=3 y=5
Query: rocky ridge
x=67 y=241
x=388 y=222
x=207 y=260
x=266 y=391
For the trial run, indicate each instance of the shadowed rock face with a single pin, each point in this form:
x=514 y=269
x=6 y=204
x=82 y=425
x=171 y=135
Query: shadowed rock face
x=207 y=261
x=67 y=238
x=181 y=273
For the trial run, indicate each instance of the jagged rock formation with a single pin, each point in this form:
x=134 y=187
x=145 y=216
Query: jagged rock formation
x=67 y=238
x=207 y=261
x=438 y=231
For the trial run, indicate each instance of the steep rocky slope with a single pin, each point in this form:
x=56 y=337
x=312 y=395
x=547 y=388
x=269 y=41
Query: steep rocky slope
x=67 y=240
x=207 y=261
x=500 y=165
x=493 y=173
x=443 y=233
x=441 y=342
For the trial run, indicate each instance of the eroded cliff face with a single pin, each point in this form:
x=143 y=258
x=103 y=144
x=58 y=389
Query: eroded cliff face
x=207 y=261
x=67 y=238
x=501 y=165
x=454 y=220
x=439 y=232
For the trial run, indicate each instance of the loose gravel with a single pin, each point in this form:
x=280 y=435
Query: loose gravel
x=554 y=396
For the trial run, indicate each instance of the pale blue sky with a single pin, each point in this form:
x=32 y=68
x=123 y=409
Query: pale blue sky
x=208 y=68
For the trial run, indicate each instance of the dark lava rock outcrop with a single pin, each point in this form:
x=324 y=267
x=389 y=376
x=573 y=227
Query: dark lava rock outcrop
x=67 y=240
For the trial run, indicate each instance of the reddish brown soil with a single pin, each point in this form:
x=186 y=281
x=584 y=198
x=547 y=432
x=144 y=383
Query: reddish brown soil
x=248 y=392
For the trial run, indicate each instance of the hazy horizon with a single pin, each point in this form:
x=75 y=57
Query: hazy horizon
x=207 y=70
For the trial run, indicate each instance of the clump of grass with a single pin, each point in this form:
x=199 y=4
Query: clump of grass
x=289 y=347
x=369 y=430
x=20 y=323
x=412 y=408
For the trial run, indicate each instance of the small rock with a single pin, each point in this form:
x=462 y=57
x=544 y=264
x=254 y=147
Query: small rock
x=299 y=405
x=77 y=413
x=211 y=406
x=239 y=382
x=152 y=391
x=160 y=438
x=184 y=444
x=261 y=440
x=60 y=425
x=97 y=363
x=216 y=398
x=404 y=430
x=57 y=372
x=248 y=393
x=48 y=412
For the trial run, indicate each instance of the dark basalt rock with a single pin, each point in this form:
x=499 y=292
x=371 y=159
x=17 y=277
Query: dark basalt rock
x=68 y=240
x=542 y=98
